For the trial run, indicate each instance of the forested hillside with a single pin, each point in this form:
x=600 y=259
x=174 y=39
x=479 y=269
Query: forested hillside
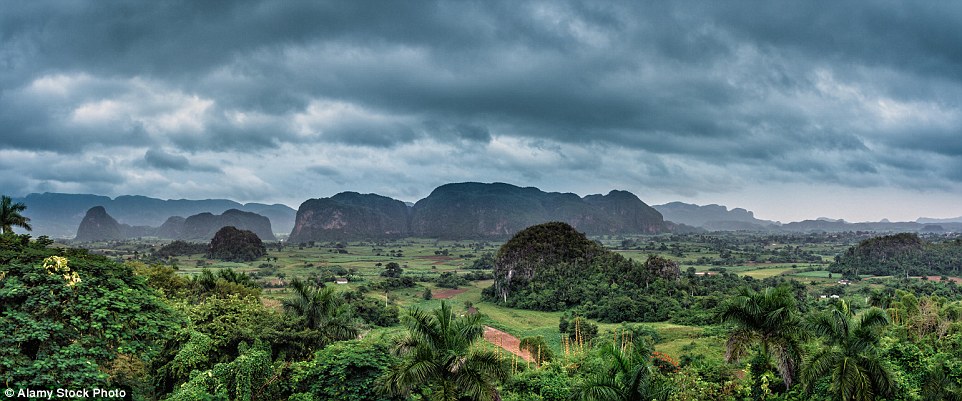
x=901 y=255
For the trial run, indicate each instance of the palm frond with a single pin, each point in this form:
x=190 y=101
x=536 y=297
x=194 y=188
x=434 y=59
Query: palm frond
x=818 y=365
x=738 y=344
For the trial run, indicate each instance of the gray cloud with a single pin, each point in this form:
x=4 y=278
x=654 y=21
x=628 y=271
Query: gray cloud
x=693 y=97
x=158 y=158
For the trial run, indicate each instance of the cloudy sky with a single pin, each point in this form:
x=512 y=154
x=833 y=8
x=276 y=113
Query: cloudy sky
x=791 y=109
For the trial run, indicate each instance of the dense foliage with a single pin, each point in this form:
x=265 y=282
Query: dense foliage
x=553 y=267
x=348 y=371
x=73 y=319
x=901 y=255
x=76 y=319
x=180 y=248
x=231 y=244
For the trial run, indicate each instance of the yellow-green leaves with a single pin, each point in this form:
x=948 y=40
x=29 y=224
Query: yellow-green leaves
x=58 y=265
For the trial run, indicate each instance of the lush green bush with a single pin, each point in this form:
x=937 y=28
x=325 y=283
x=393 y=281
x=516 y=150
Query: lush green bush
x=68 y=316
x=450 y=280
x=346 y=371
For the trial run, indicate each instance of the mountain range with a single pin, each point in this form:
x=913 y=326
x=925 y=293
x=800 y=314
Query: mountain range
x=452 y=211
x=471 y=210
x=713 y=217
x=59 y=215
x=98 y=225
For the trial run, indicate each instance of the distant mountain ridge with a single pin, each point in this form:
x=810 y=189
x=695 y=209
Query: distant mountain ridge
x=712 y=217
x=59 y=215
x=471 y=210
x=720 y=218
x=889 y=227
x=929 y=220
x=98 y=225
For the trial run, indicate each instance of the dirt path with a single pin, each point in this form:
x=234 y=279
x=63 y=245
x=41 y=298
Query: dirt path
x=506 y=341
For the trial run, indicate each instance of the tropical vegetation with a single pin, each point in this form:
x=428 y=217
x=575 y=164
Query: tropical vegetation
x=636 y=320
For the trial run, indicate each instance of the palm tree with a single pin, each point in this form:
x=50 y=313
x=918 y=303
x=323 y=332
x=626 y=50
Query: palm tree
x=849 y=354
x=10 y=215
x=439 y=360
x=771 y=319
x=628 y=377
x=323 y=310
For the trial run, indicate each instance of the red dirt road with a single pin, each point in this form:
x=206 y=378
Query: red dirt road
x=506 y=341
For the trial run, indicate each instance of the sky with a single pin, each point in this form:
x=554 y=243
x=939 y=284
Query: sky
x=793 y=110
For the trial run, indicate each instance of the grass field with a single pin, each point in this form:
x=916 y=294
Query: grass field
x=767 y=272
x=818 y=274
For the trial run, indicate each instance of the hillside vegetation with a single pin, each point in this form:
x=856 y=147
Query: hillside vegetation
x=748 y=317
x=901 y=255
x=553 y=267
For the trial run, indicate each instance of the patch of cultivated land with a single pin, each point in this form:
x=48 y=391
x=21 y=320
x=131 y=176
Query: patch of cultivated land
x=506 y=341
x=447 y=293
x=766 y=273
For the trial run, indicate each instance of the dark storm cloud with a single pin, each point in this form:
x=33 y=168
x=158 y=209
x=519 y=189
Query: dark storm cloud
x=158 y=158
x=809 y=92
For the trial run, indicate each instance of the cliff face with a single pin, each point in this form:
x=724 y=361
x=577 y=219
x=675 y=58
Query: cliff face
x=621 y=212
x=172 y=228
x=203 y=226
x=475 y=210
x=350 y=216
x=471 y=210
x=97 y=225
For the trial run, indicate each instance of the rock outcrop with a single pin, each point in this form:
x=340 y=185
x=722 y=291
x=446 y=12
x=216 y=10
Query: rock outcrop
x=350 y=216
x=476 y=210
x=97 y=225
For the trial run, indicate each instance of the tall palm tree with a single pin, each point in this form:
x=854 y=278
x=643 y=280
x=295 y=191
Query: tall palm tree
x=323 y=310
x=439 y=361
x=771 y=319
x=849 y=355
x=10 y=215
x=627 y=379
